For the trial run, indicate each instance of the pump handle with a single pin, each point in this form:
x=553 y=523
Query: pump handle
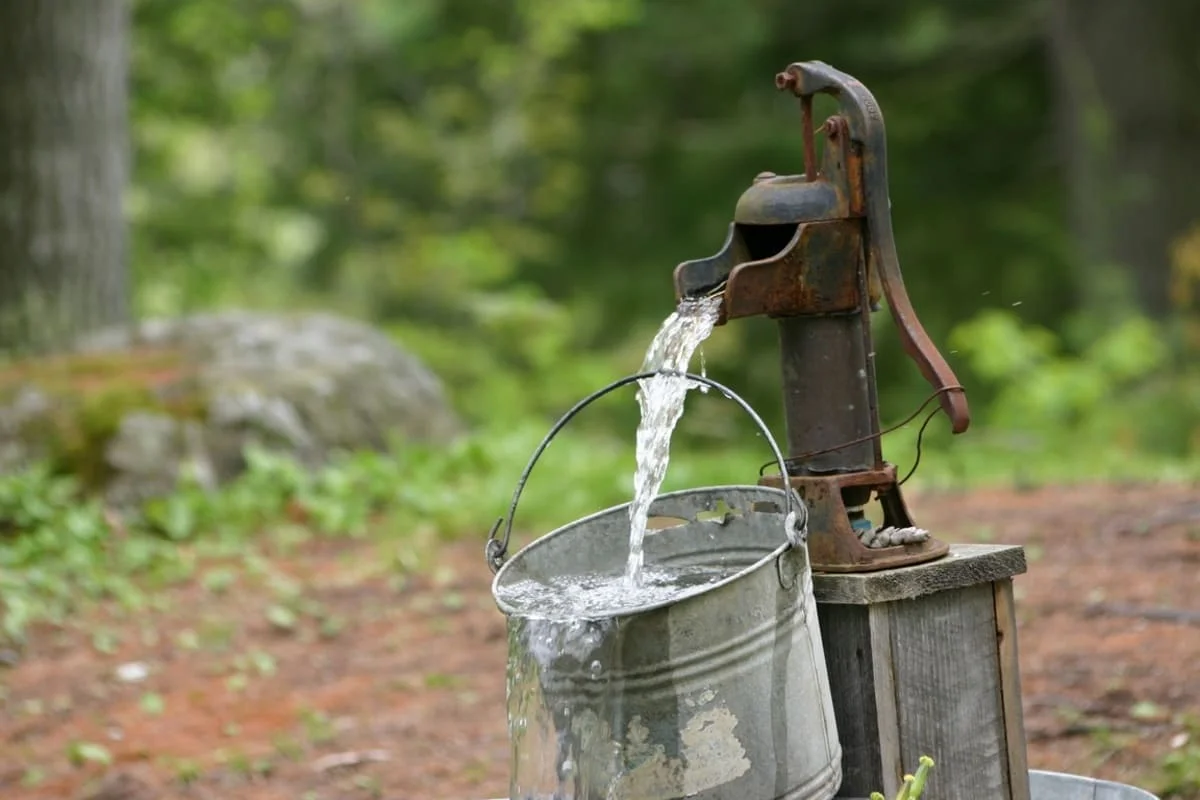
x=866 y=129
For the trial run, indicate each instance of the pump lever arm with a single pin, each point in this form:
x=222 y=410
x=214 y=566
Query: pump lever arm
x=866 y=129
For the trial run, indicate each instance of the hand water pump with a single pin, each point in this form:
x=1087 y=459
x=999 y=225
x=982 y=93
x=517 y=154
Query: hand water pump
x=815 y=252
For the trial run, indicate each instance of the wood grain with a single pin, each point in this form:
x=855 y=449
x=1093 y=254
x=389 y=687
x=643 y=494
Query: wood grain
x=948 y=694
x=846 y=636
x=1010 y=689
x=887 y=689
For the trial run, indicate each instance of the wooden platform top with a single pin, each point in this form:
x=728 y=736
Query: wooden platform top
x=965 y=565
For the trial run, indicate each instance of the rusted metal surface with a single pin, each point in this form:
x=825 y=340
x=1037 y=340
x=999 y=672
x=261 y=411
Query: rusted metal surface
x=789 y=200
x=836 y=412
x=866 y=129
x=807 y=273
x=817 y=252
x=832 y=543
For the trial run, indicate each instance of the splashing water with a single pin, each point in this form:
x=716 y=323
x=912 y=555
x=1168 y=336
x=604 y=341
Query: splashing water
x=661 y=400
x=566 y=707
x=562 y=708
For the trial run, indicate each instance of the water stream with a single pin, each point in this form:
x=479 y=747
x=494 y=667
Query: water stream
x=565 y=709
x=661 y=400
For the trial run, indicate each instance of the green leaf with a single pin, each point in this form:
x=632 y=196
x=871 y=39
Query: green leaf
x=80 y=753
x=281 y=617
x=152 y=703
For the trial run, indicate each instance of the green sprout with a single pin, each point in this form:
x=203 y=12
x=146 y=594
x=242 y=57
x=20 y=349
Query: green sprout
x=913 y=785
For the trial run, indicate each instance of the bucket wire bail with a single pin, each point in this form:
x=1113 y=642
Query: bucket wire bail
x=796 y=516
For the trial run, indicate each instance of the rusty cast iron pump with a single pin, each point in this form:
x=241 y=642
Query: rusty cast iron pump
x=816 y=252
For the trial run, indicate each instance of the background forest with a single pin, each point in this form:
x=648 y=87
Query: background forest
x=506 y=188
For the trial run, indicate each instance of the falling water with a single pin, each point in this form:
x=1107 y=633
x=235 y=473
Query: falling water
x=565 y=710
x=661 y=400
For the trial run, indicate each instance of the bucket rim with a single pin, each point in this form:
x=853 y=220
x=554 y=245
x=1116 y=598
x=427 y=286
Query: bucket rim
x=689 y=596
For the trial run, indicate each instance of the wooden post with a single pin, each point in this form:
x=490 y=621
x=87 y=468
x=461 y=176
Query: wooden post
x=922 y=660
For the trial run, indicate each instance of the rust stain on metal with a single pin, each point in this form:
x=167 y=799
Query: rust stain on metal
x=804 y=274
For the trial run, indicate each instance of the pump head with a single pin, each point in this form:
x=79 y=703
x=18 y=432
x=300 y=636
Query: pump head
x=775 y=261
x=816 y=252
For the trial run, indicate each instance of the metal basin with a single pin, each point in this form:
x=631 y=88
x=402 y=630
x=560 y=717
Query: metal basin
x=1060 y=786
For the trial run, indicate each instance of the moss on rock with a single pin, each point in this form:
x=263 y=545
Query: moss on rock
x=74 y=403
x=128 y=409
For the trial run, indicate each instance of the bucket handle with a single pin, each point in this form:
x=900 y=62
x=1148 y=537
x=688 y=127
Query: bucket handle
x=795 y=520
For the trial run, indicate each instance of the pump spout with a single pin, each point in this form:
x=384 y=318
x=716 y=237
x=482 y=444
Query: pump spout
x=705 y=276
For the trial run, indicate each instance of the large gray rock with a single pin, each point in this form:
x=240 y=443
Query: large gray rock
x=305 y=384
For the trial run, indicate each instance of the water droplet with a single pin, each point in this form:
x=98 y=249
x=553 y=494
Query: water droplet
x=596 y=669
x=1017 y=303
x=989 y=291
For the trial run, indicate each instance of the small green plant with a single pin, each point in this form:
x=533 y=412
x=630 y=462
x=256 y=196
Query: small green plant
x=1179 y=770
x=912 y=786
x=152 y=704
x=33 y=776
x=187 y=772
x=81 y=753
x=317 y=726
x=239 y=763
x=287 y=748
x=369 y=784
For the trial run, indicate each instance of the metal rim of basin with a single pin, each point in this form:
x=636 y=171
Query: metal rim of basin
x=1049 y=785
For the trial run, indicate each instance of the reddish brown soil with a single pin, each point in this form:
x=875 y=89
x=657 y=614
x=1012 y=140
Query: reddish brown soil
x=416 y=672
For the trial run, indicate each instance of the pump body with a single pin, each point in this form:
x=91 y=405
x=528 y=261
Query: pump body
x=816 y=252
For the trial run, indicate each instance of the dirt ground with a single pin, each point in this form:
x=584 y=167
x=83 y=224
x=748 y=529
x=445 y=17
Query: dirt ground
x=363 y=685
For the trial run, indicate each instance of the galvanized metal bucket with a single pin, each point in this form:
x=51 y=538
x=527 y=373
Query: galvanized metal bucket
x=723 y=693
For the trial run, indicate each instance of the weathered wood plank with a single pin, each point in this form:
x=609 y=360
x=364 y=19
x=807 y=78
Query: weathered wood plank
x=846 y=635
x=1010 y=689
x=965 y=565
x=883 y=660
x=948 y=691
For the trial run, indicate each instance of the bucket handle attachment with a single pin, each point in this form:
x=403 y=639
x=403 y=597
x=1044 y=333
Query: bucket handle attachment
x=795 y=520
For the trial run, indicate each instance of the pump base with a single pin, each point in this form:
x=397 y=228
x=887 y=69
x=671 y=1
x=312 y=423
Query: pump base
x=833 y=546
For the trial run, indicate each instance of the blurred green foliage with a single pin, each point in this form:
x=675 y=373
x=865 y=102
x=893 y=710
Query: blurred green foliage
x=72 y=551
x=507 y=187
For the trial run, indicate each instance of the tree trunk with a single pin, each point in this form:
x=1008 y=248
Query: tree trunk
x=1126 y=74
x=63 y=169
